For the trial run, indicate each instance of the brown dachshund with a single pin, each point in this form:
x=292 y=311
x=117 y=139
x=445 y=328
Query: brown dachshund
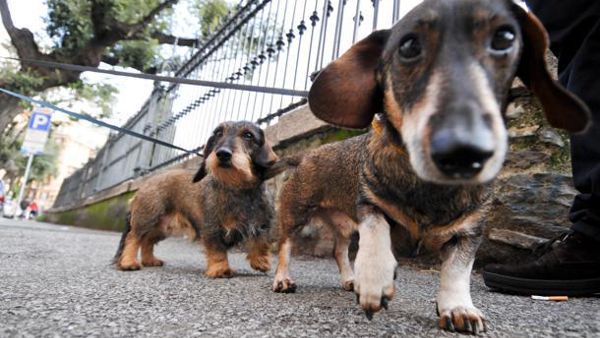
x=226 y=207
x=435 y=89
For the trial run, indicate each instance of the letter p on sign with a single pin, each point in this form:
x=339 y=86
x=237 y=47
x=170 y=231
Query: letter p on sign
x=39 y=121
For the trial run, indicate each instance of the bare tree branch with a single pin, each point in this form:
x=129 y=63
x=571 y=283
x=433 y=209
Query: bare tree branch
x=98 y=16
x=172 y=39
x=22 y=39
x=111 y=60
x=6 y=17
x=168 y=39
x=115 y=61
x=154 y=12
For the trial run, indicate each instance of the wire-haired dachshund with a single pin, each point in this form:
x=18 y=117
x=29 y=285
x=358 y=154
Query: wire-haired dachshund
x=434 y=88
x=223 y=204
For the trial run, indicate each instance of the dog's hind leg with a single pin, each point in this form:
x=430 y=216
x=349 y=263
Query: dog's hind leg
x=147 y=245
x=343 y=262
x=343 y=227
x=291 y=218
x=283 y=282
x=128 y=260
x=259 y=254
x=126 y=231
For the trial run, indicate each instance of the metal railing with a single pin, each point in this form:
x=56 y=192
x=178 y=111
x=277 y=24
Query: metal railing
x=272 y=44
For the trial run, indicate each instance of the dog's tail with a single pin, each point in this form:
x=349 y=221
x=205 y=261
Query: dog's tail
x=123 y=237
x=285 y=163
x=293 y=160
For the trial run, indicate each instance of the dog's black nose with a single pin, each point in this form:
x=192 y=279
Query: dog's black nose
x=224 y=155
x=459 y=157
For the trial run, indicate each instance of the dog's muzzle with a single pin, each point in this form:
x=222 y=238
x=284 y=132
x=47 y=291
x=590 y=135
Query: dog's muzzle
x=461 y=155
x=224 y=155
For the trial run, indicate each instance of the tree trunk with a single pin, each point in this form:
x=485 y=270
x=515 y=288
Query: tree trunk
x=9 y=108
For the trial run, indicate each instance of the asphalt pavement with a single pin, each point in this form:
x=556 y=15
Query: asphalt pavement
x=57 y=281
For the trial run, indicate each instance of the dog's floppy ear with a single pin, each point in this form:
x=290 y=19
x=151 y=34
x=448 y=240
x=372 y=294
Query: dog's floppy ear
x=346 y=93
x=266 y=157
x=208 y=148
x=563 y=109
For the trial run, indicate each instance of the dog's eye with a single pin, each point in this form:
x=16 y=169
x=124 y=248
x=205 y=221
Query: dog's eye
x=410 y=48
x=503 y=39
x=248 y=135
x=218 y=133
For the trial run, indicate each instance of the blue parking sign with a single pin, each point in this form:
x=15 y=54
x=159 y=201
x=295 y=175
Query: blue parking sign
x=37 y=132
x=39 y=121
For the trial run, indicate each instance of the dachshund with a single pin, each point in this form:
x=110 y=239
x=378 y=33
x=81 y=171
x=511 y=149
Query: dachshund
x=435 y=89
x=223 y=204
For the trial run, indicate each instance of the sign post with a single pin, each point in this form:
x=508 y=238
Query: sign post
x=34 y=143
x=25 y=178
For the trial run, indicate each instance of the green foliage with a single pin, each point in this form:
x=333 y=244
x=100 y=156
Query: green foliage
x=138 y=54
x=22 y=81
x=69 y=24
x=43 y=166
x=9 y=148
x=131 y=11
x=210 y=14
x=101 y=95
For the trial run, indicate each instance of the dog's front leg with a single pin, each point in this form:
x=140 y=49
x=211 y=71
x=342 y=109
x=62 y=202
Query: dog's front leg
x=259 y=253
x=216 y=261
x=454 y=305
x=375 y=263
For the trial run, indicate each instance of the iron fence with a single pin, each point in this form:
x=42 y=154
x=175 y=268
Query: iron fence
x=272 y=44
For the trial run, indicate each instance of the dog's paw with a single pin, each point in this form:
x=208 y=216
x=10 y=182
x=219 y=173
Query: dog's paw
x=219 y=273
x=462 y=319
x=284 y=285
x=261 y=263
x=374 y=281
x=348 y=284
x=153 y=262
x=133 y=266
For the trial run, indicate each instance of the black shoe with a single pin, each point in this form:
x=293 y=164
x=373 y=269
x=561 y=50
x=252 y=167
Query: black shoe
x=567 y=267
